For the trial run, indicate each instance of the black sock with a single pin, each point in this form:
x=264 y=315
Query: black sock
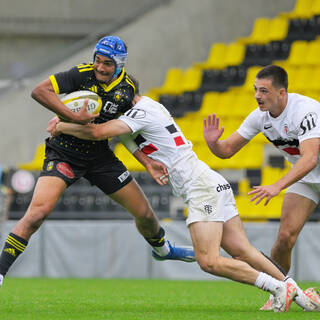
x=158 y=239
x=276 y=264
x=13 y=247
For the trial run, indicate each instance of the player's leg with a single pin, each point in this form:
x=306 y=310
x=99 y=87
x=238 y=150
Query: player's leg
x=132 y=198
x=46 y=194
x=296 y=210
x=206 y=238
x=236 y=243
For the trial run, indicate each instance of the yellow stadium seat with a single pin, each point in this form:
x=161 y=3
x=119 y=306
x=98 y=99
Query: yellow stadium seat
x=258 y=34
x=270 y=175
x=312 y=55
x=250 y=211
x=278 y=29
x=127 y=158
x=172 y=83
x=313 y=82
x=302 y=10
x=37 y=162
x=297 y=53
x=315 y=8
x=215 y=59
x=301 y=81
x=235 y=54
x=191 y=79
x=246 y=103
x=250 y=78
x=209 y=102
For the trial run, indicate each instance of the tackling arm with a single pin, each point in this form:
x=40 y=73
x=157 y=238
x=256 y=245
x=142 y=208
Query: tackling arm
x=101 y=131
x=156 y=169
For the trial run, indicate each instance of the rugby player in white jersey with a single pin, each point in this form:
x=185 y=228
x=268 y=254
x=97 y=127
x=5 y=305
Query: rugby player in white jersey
x=213 y=219
x=291 y=122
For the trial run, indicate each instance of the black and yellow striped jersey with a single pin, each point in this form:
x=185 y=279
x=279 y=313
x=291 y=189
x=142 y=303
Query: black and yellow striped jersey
x=116 y=99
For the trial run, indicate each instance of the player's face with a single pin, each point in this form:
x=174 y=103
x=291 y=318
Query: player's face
x=268 y=97
x=103 y=68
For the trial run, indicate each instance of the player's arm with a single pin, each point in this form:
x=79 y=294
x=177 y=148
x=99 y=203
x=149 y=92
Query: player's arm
x=101 y=131
x=309 y=150
x=221 y=148
x=156 y=169
x=45 y=94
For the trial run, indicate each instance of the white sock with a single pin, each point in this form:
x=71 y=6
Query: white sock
x=301 y=299
x=267 y=283
x=163 y=250
x=1 y=279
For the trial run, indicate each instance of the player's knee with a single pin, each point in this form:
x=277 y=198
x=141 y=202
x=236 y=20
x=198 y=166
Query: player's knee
x=35 y=215
x=286 y=240
x=209 y=264
x=145 y=213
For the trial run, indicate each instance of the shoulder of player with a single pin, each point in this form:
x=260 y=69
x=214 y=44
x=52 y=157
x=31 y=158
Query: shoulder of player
x=300 y=105
x=84 y=68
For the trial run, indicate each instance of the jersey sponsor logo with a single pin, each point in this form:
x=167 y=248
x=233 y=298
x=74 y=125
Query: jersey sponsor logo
x=124 y=176
x=223 y=187
x=267 y=126
x=110 y=107
x=135 y=113
x=65 y=169
x=308 y=123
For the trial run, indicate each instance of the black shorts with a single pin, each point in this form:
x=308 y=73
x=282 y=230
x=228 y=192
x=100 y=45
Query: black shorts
x=107 y=172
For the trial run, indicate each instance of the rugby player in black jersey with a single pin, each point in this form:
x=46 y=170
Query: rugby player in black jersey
x=69 y=158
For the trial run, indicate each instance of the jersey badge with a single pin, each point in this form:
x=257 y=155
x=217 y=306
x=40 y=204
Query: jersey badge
x=286 y=129
x=117 y=96
x=135 y=113
x=50 y=166
x=208 y=208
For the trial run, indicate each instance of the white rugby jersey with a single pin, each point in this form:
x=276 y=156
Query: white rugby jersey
x=299 y=121
x=158 y=136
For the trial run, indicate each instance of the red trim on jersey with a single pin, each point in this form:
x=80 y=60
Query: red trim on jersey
x=150 y=148
x=179 y=141
x=292 y=151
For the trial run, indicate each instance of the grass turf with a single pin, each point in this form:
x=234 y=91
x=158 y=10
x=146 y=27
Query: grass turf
x=75 y=299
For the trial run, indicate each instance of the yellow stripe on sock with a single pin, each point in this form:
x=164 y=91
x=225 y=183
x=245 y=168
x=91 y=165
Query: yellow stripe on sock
x=18 y=245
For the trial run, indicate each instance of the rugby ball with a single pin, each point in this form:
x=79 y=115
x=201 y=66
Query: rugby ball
x=75 y=100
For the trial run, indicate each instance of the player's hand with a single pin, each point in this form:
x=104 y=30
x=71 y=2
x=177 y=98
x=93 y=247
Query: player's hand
x=211 y=131
x=264 y=192
x=158 y=171
x=83 y=116
x=52 y=127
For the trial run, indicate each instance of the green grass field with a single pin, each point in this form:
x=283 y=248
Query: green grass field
x=73 y=299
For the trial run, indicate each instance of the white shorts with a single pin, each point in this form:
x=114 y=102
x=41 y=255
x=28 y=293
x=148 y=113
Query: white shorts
x=307 y=190
x=210 y=198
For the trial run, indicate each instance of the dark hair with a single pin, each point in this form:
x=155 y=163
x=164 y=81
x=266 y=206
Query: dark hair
x=136 y=84
x=278 y=76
